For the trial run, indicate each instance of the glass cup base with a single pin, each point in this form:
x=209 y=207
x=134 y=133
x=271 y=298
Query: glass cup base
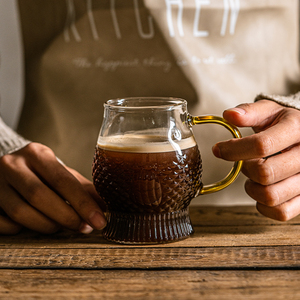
x=127 y=228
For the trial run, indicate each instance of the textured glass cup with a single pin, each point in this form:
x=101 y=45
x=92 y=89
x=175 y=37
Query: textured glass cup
x=147 y=168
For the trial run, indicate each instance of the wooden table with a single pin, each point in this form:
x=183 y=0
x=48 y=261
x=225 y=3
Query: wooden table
x=235 y=253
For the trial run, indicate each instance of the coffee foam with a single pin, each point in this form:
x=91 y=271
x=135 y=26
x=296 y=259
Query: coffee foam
x=143 y=143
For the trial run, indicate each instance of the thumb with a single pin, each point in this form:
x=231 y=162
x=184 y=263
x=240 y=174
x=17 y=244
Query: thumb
x=274 y=126
x=257 y=115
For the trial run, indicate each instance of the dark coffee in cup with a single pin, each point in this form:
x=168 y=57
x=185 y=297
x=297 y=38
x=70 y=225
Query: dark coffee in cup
x=153 y=180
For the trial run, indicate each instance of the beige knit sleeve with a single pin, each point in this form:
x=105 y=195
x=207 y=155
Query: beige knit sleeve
x=290 y=101
x=10 y=141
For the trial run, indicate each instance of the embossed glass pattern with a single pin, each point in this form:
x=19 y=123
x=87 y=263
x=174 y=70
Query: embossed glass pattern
x=147 y=168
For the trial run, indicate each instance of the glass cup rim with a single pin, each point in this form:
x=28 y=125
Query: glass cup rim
x=130 y=103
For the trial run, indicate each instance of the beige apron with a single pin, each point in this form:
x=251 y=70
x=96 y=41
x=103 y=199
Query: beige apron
x=214 y=53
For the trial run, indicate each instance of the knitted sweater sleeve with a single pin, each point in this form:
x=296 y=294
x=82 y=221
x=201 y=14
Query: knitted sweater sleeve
x=10 y=141
x=290 y=101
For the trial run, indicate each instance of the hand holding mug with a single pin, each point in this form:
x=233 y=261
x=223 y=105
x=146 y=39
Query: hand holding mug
x=271 y=156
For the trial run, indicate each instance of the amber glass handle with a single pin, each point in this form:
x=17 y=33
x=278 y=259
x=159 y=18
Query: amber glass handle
x=217 y=186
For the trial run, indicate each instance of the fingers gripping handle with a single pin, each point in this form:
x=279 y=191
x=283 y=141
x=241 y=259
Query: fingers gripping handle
x=232 y=175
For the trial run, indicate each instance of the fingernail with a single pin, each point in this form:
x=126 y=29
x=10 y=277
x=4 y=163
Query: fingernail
x=97 y=220
x=216 y=151
x=85 y=228
x=238 y=110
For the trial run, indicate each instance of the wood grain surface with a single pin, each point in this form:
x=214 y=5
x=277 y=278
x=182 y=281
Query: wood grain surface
x=224 y=238
x=235 y=253
x=150 y=284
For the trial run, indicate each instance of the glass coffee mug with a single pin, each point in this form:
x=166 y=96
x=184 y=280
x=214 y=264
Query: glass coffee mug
x=147 y=168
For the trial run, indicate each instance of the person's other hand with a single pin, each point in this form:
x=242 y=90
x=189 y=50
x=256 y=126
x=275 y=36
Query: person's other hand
x=271 y=156
x=39 y=193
